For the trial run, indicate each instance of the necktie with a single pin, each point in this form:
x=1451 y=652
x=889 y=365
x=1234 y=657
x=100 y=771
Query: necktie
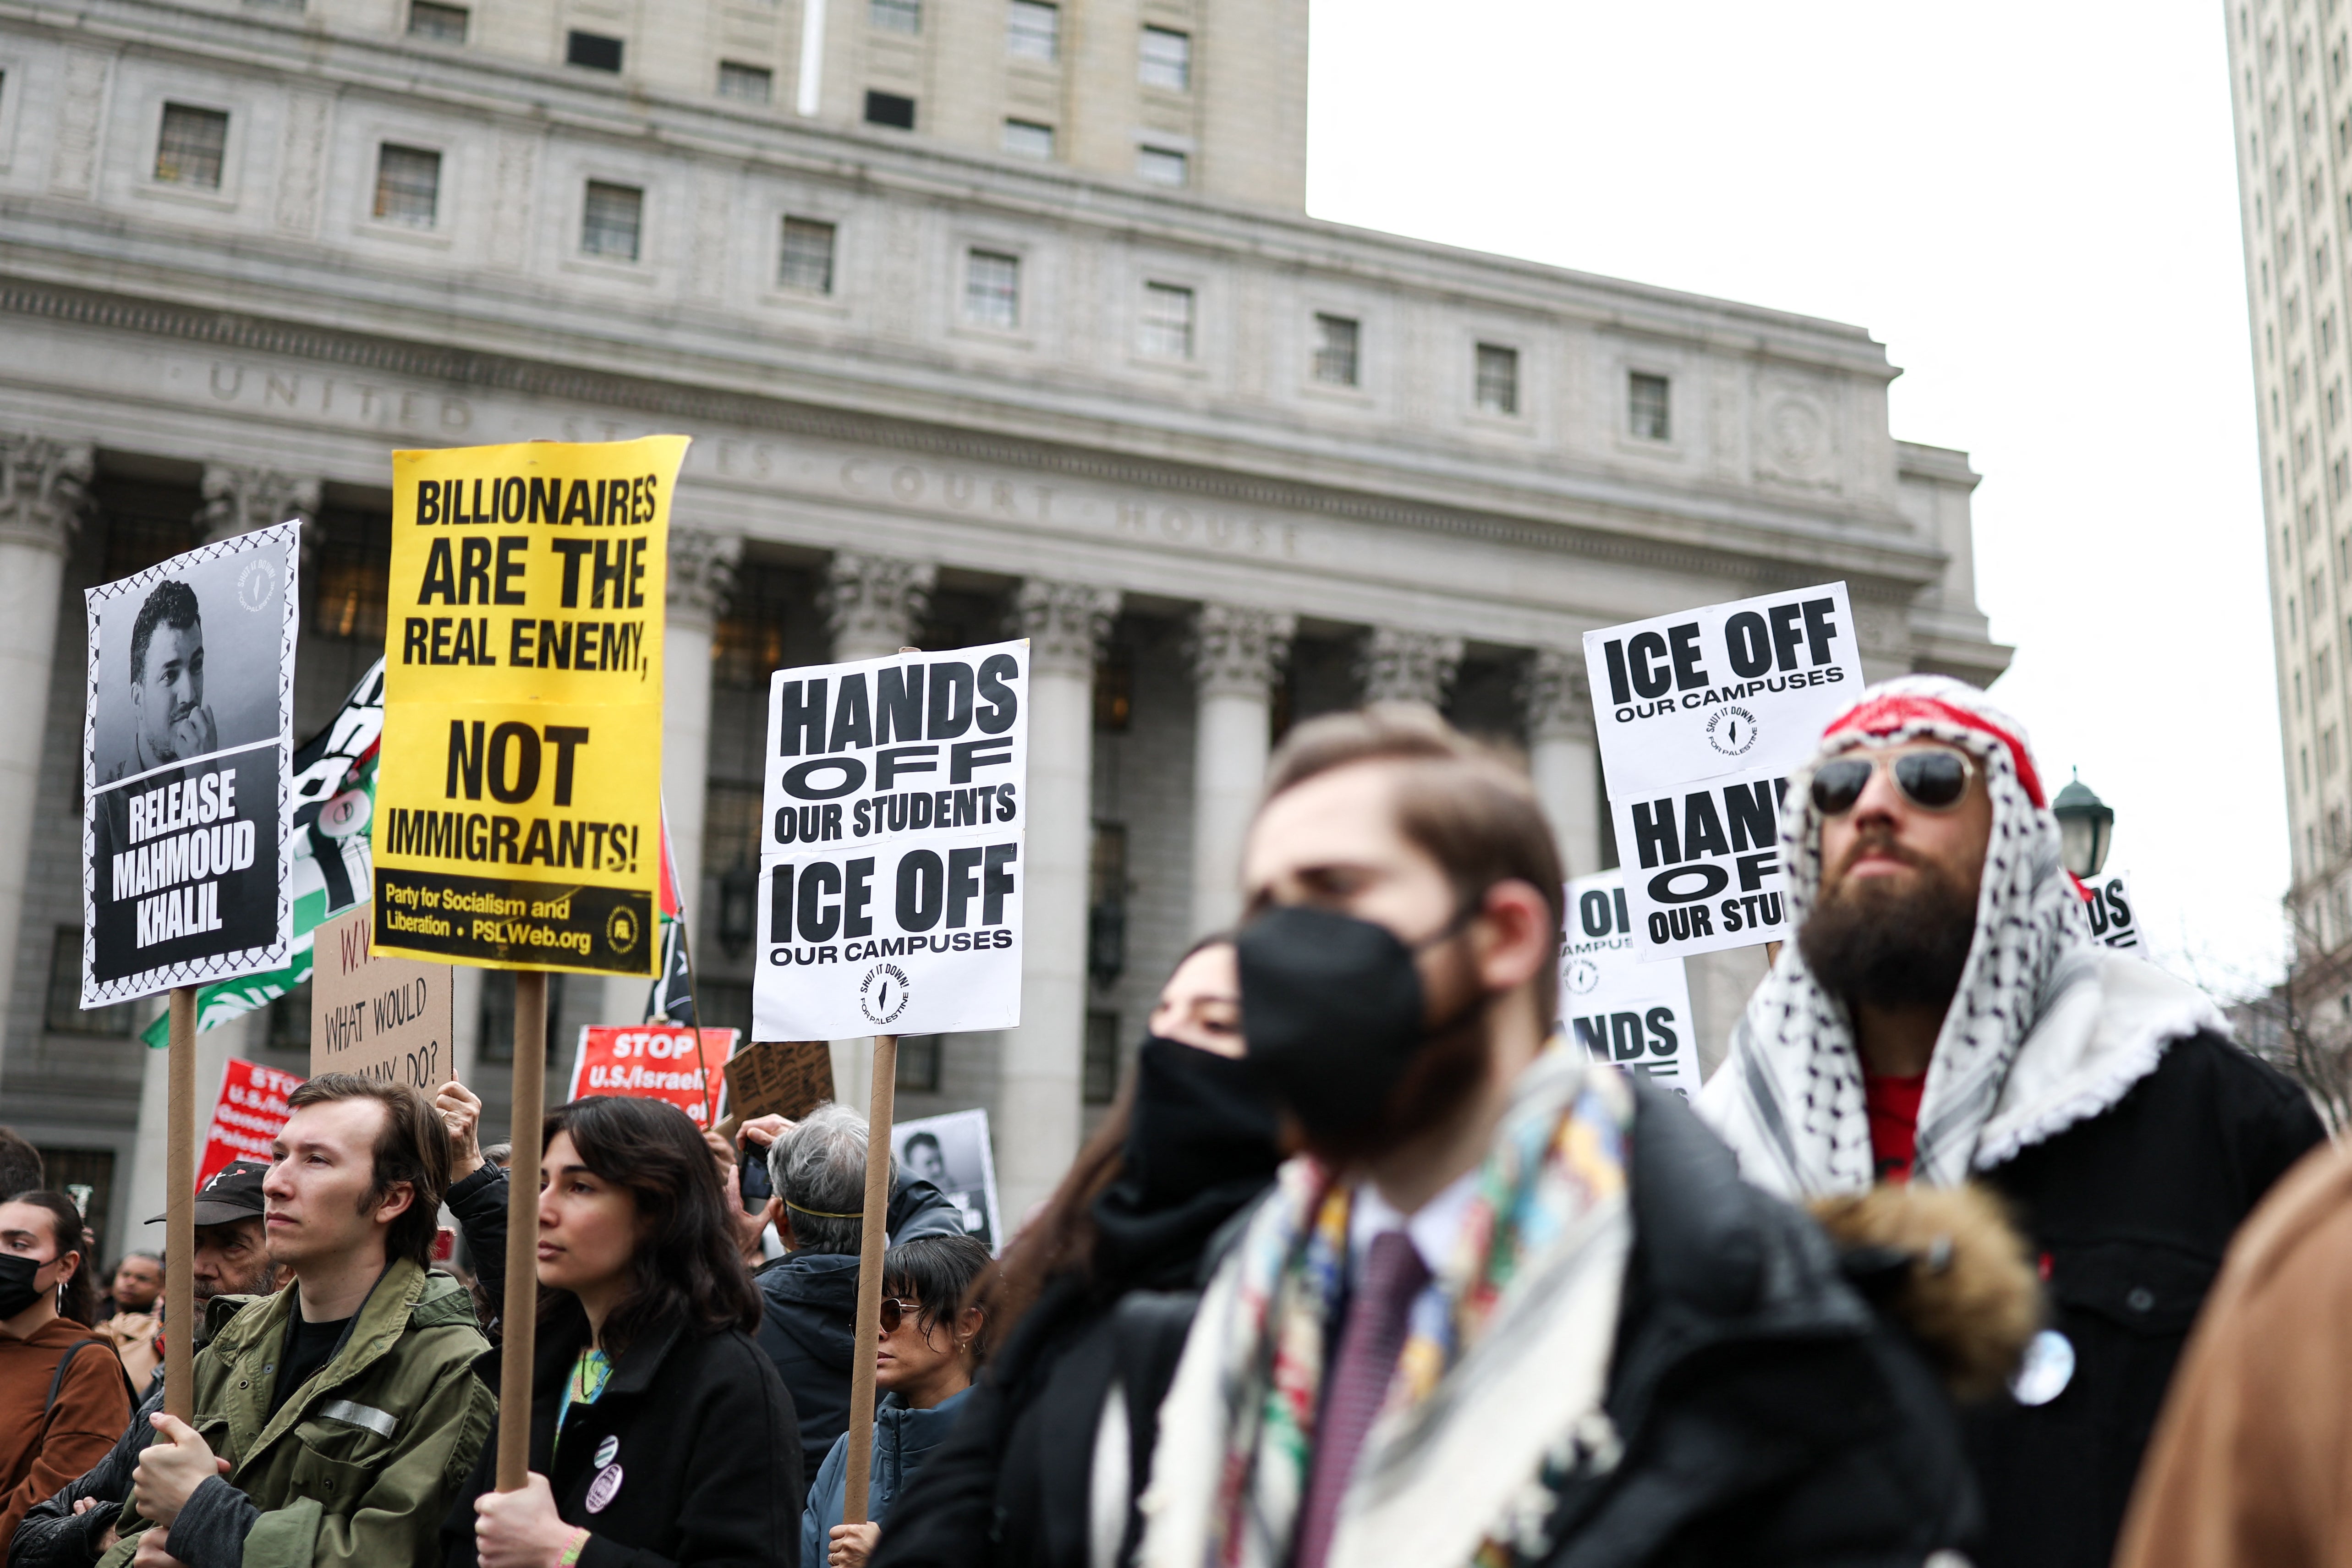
x=1358 y=1384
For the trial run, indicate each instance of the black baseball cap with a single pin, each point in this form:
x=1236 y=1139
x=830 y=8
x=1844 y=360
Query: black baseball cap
x=234 y=1193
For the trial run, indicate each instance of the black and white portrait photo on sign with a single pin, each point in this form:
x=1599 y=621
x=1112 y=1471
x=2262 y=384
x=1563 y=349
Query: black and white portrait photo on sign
x=187 y=746
x=952 y=1153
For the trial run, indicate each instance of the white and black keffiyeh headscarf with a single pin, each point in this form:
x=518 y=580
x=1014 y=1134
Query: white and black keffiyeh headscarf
x=1788 y=1098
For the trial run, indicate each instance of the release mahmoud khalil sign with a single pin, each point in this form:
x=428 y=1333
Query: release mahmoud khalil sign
x=519 y=797
x=1702 y=716
x=890 y=861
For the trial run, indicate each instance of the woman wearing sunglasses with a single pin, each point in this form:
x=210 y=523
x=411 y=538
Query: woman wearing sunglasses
x=659 y=1431
x=922 y=1368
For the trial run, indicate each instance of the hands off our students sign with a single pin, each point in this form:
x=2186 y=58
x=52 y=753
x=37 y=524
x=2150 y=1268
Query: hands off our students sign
x=520 y=799
x=1701 y=717
x=890 y=861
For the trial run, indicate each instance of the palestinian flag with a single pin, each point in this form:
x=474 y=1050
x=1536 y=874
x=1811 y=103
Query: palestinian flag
x=334 y=802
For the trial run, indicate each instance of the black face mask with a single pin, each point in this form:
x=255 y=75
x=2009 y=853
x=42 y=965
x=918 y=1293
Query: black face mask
x=1201 y=1120
x=1333 y=1012
x=18 y=1291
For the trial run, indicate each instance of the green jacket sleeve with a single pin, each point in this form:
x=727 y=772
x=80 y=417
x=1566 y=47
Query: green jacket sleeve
x=401 y=1495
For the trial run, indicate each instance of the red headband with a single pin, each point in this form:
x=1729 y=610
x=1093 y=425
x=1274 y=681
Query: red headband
x=1883 y=714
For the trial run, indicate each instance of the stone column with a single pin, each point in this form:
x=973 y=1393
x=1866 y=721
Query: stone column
x=1037 y=1108
x=1236 y=656
x=1564 y=756
x=873 y=606
x=41 y=499
x=701 y=575
x=239 y=498
x=1407 y=667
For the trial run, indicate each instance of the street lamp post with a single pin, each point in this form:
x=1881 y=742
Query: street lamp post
x=2086 y=826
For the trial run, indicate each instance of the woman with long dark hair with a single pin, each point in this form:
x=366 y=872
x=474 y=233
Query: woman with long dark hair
x=1088 y=1309
x=63 y=1397
x=660 y=1432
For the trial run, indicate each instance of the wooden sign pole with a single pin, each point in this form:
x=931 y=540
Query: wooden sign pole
x=179 y=1211
x=519 y=1315
x=860 y=1456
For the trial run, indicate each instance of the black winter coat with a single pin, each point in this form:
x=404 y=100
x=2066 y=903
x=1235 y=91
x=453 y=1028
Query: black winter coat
x=1767 y=1415
x=701 y=1432
x=808 y=1329
x=2130 y=1213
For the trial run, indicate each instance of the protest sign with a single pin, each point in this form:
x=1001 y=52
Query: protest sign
x=780 y=1078
x=1702 y=716
x=952 y=1152
x=655 y=1061
x=248 y=1117
x=2108 y=910
x=185 y=756
x=521 y=789
x=891 y=870
x=382 y=1017
x=1613 y=1004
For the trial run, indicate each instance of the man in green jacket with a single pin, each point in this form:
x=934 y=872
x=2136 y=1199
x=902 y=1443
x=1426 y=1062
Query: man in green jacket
x=335 y=1419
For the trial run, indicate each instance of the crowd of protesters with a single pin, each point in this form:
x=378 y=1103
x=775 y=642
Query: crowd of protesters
x=1962 y=1255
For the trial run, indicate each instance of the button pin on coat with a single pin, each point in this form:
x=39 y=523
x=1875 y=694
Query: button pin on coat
x=608 y=1450
x=603 y=1489
x=2048 y=1368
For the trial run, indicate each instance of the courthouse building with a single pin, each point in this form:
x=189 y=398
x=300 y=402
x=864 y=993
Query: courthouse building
x=988 y=318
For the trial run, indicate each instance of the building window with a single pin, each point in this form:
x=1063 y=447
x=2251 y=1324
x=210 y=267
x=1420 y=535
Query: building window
x=65 y=1014
x=806 y=259
x=593 y=50
x=752 y=84
x=442 y=24
x=1101 y=1081
x=1167 y=320
x=610 y=222
x=890 y=109
x=1649 y=406
x=1166 y=59
x=895 y=15
x=408 y=185
x=354 y=574
x=1335 y=349
x=1027 y=139
x=1162 y=167
x=498 y=1015
x=918 y=1064
x=1034 y=31
x=992 y=289
x=1498 y=390
x=189 y=150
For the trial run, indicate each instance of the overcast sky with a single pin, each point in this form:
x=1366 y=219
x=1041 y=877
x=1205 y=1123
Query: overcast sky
x=2034 y=207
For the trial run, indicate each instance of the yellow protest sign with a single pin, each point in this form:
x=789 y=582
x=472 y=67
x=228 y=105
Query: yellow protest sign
x=518 y=808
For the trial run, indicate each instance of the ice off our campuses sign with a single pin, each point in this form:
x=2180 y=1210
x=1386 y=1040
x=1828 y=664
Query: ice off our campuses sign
x=1612 y=1005
x=1701 y=717
x=186 y=758
x=890 y=862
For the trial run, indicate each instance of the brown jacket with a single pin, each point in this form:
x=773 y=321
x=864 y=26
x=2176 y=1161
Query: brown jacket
x=2251 y=1461
x=42 y=1450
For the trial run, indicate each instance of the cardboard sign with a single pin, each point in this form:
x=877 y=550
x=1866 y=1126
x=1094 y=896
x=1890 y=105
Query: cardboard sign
x=381 y=1017
x=186 y=749
x=780 y=1078
x=1702 y=716
x=2108 y=910
x=890 y=861
x=655 y=1061
x=1613 y=1005
x=953 y=1153
x=248 y=1117
x=520 y=799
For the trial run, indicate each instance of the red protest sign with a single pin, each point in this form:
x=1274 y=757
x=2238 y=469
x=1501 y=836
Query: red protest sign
x=247 y=1116
x=655 y=1061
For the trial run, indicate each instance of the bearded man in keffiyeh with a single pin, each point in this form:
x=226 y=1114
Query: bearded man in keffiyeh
x=1943 y=1017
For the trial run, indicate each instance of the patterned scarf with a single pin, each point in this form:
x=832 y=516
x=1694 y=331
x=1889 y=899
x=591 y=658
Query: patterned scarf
x=1788 y=1099
x=1534 y=1280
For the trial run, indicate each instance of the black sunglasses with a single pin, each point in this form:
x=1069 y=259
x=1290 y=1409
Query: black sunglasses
x=894 y=1312
x=1930 y=780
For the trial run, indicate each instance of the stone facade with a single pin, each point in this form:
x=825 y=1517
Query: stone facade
x=1229 y=466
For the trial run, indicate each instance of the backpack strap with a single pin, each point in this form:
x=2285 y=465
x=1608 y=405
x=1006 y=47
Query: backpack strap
x=65 y=1362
